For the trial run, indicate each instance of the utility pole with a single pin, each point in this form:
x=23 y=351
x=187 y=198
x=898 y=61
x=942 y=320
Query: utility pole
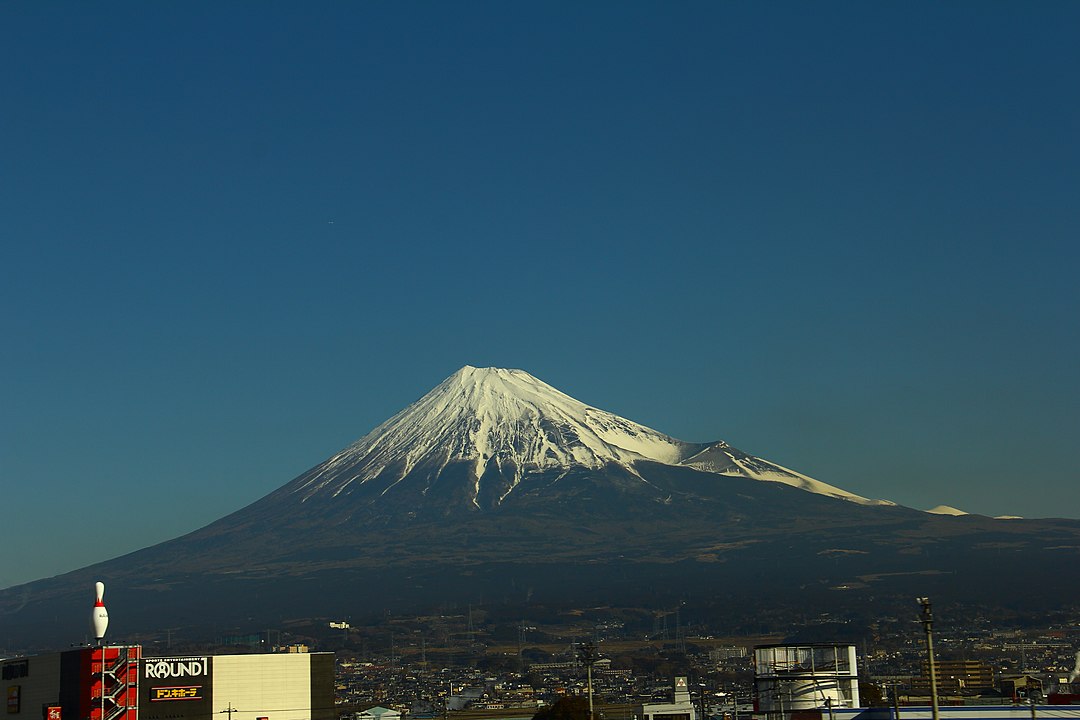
x=521 y=647
x=928 y=625
x=230 y=710
x=587 y=657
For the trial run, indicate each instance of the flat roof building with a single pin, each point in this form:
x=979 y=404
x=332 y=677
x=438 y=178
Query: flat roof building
x=118 y=683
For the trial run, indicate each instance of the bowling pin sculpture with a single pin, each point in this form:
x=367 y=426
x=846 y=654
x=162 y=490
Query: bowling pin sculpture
x=100 y=617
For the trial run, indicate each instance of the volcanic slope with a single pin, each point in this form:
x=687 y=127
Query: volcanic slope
x=495 y=484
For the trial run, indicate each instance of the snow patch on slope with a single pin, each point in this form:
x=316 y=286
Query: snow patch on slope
x=946 y=510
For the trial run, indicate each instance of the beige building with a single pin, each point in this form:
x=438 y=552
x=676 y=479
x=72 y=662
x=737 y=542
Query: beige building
x=955 y=677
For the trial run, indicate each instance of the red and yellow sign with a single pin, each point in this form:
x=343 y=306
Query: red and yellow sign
x=188 y=692
x=13 y=695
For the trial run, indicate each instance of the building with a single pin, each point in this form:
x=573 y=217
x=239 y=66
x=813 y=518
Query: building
x=99 y=683
x=795 y=678
x=118 y=683
x=681 y=709
x=1018 y=687
x=956 y=712
x=955 y=677
x=378 y=713
x=727 y=652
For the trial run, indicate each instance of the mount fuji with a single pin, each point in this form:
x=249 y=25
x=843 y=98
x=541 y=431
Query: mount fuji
x=486 y=434
x=495 y=485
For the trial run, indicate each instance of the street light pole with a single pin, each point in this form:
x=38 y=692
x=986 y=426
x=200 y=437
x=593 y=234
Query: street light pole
x=928 y=625
x=588 y=672
x=587 y=655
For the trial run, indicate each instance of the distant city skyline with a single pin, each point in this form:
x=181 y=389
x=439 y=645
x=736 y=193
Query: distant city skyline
x=233 y=240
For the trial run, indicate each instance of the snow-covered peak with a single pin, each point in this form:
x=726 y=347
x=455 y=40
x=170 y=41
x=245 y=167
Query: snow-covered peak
x=946 y=510
x=509 y=421
x=479 y=415
x=510 y=411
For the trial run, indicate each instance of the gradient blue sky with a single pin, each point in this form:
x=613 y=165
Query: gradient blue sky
x=234 y=237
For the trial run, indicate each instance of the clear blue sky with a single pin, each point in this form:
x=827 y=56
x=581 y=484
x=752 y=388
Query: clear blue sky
x=234 y=237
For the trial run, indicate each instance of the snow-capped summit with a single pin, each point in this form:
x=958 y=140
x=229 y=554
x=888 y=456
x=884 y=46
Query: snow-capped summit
x=486 y=423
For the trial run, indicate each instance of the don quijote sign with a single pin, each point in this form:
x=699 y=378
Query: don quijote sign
x=165 y=668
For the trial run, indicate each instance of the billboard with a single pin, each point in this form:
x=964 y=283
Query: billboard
x=174 y=688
